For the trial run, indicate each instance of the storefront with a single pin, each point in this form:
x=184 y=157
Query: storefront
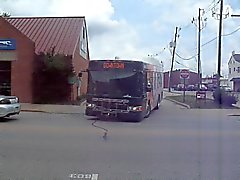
x=22 y=40
x=7 y=55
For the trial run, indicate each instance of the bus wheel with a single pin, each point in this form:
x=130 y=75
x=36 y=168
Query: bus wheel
x=158 y=103
x=148 y=110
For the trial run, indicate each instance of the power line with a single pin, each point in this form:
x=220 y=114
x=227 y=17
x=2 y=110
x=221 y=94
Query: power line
x=185 y=66
x=209 y=41
x=157 y=54
x=224 y=35
x=232 y=32
x=186 y=26
x=209 y=8
x=185 y=59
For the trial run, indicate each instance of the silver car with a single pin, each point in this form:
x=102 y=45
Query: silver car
x=9 y=105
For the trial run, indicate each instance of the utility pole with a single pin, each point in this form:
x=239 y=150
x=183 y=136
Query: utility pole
x=173 y=55
x=199 y=44
x=219 y=44
x=200 y=25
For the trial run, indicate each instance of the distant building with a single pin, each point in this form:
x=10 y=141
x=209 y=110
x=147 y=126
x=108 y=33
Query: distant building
x=22 y=39
x=176 y=79
x=234 y=71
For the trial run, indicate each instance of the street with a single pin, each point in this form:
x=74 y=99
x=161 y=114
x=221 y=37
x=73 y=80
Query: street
x=173 y=143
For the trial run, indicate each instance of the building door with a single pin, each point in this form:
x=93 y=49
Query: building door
x=5 y=78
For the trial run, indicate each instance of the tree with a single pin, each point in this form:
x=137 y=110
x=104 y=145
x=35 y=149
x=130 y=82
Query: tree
x=51 y=78
x=5 y=14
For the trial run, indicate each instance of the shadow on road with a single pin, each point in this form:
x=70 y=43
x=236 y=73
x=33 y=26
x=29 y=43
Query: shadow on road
x=5 y=120
x=111 y=119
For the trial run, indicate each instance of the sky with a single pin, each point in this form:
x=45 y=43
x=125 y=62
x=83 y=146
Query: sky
x=135 y=29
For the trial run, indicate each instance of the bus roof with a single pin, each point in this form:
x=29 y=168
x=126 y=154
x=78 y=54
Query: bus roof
x=148 y=60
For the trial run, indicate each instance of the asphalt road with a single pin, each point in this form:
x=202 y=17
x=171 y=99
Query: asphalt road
x=174 y=143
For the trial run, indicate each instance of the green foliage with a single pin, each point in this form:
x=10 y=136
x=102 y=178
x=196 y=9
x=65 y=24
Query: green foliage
x=51 y=78
x=56 y=62
x=5 y=14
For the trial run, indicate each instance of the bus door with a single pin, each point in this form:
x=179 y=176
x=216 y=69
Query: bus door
x=150 y=84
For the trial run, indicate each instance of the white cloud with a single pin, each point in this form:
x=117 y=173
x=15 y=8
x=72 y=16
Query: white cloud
x=92 y=9
x=110 y=37
x=180 y=14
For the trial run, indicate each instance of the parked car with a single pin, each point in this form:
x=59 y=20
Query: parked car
x=203 y=87
x=226 y=88
x=9 y=105
x=180 y=87
x=191 y=88
x=212 y=87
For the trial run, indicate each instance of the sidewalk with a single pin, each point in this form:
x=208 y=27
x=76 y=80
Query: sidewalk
x=50 y=108
x=175 y=93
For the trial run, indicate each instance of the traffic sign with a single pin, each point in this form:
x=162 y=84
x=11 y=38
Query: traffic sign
x=184 y=74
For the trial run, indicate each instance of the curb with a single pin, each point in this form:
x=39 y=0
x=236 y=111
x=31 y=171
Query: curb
x=173 y=92
x=33 y=110
x=48 y=112
x=179 y=103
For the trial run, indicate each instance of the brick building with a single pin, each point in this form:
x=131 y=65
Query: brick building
x=22 y=39
x=193 y=78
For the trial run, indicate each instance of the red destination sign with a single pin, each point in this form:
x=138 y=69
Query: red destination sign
x=184 y=74
x=113 y=65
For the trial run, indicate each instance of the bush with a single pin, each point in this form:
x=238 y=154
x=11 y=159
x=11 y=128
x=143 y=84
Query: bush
x=223 y=98
x=51 y=75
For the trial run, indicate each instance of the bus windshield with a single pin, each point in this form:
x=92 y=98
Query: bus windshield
x=116 y=84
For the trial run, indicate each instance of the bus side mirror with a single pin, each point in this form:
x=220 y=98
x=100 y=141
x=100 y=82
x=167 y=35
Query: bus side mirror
x=149 y=87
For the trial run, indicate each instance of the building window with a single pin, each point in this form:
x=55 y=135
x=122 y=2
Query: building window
x=234 y=69
x=238 y=70
x=83 y=33
x=83 y=43
x=229 y=70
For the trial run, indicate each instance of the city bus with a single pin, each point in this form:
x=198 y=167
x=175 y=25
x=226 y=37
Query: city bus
x=123 y=89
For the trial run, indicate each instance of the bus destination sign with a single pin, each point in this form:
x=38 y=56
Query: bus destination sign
x=113 y=65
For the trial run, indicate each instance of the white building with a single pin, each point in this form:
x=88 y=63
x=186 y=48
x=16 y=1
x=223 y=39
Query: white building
x=234 y=71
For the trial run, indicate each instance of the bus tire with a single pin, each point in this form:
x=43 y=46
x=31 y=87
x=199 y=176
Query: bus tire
x=148 y=110
x=158 y=103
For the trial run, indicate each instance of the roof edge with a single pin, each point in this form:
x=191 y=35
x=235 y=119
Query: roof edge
x=15 y=29
x=43 y=17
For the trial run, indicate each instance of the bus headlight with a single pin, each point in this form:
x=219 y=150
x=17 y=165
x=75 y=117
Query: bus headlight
x=90 y=105
x=135 y=108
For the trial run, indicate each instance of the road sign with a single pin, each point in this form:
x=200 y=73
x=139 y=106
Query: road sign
x=201 y=95
x=7 y=44
x=184 y=74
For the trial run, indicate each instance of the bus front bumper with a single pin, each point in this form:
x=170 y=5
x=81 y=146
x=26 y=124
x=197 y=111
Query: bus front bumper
x=121 y=115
